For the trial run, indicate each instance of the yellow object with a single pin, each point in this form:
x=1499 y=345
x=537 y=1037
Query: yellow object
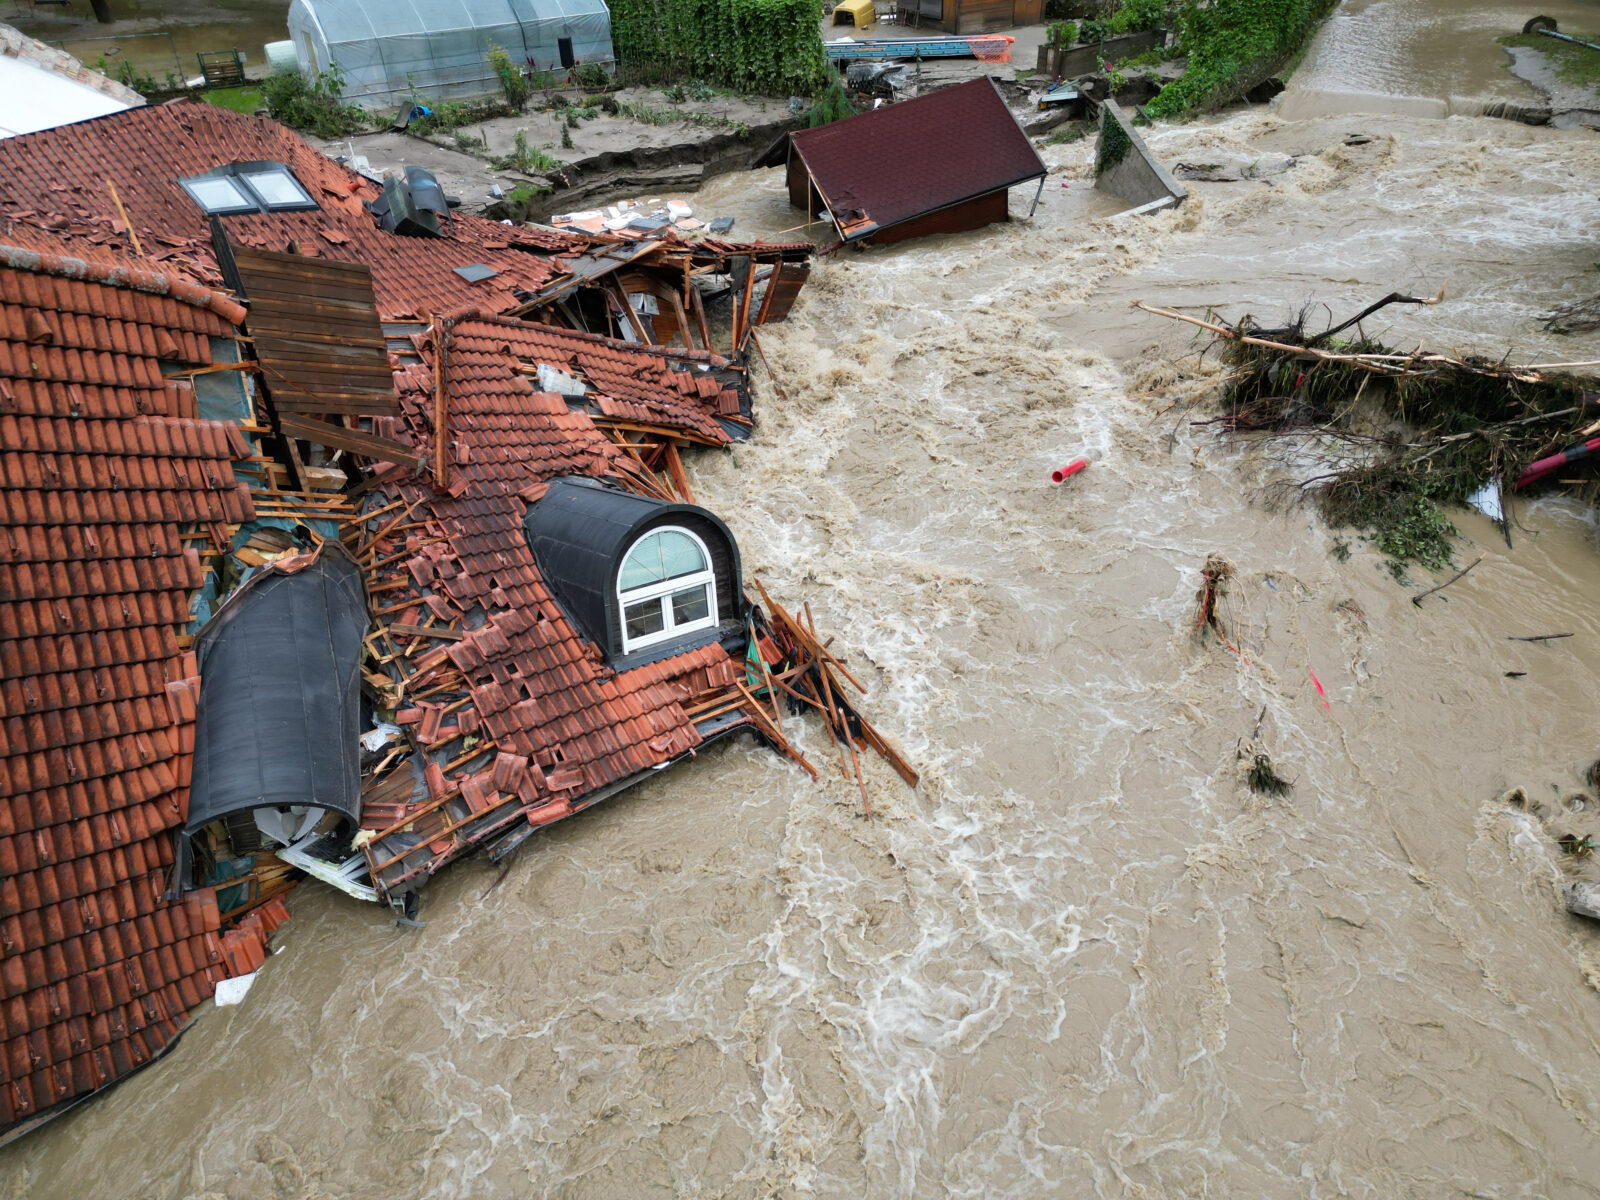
x=859 y=13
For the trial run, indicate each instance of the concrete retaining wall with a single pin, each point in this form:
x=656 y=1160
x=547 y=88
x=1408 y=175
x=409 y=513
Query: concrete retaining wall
x=1136 y=177
x=1085 y=59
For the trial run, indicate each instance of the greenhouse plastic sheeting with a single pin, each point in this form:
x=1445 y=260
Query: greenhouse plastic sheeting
x=384 y=47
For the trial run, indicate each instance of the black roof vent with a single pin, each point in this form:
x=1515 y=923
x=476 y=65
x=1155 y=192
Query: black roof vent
x=412 y=205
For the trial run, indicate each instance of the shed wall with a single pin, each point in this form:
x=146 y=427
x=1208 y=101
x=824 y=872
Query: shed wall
x=969 y=214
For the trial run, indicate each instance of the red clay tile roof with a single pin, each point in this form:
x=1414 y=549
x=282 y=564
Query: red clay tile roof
x=56 y=180
x=652 y=385
x=905 y=159
x=557 y=724
x=104 y=466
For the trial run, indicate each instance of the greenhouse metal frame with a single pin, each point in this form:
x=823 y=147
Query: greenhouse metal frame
x=389 y=50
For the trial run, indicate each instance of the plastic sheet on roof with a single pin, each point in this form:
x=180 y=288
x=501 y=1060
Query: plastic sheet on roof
x=442 y=47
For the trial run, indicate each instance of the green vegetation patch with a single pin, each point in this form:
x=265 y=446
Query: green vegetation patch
x=1577 y=65
x=1232 y=45
x=773 y=47
x=1114 y=143
x=240 y=99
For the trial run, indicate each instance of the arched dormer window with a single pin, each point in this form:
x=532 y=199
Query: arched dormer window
x=665 y=588
x=641 y=578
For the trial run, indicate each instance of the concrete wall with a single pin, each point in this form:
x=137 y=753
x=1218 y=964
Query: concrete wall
x=1085 y=59
x=1138 y=178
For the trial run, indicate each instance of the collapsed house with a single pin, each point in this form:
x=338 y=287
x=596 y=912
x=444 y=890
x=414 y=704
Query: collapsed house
x=938 y=163
x=347 y=535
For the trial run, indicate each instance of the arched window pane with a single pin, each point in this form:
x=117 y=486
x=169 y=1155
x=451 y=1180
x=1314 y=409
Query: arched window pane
x=658 y=557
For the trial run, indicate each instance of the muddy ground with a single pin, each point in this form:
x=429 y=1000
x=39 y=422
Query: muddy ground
x=614 y=155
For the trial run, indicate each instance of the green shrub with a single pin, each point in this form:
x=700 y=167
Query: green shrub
x=644 y=114
x=1062 y=34
x=833 y=105
x=1093 y=31
x=1232 y=45
x=530 y=160
x=1137 y=16
x=769 y=46
x=514 y=84
x=315 y=105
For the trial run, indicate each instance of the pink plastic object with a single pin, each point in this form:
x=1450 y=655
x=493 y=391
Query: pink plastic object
x=1068 y=471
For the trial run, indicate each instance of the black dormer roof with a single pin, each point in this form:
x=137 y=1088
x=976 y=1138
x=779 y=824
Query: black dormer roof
x=579 y=531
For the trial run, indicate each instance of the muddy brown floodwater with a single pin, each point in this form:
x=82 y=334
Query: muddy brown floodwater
x=156 y=36
x=1083 y=959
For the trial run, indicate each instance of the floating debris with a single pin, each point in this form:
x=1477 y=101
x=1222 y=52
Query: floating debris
x=1404 y=433
x=1215 y=577
x=1264 y=779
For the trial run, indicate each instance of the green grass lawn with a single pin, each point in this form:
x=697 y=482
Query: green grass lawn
x=239 y=99
x=1577 y=65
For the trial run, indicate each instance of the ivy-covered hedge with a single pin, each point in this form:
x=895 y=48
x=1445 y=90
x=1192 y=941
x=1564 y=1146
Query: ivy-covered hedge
x=767 y=46
x=1232 y=45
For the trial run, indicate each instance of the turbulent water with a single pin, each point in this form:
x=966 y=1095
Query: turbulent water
x=1083 y=958
x=1424 y=57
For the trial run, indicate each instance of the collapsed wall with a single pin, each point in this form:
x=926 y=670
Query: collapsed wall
x=1125 y=167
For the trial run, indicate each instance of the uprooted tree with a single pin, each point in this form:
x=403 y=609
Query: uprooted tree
x=1402 y=434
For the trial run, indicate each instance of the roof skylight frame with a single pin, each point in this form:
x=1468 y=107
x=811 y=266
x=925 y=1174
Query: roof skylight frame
x=273 y=182
x=197 y=185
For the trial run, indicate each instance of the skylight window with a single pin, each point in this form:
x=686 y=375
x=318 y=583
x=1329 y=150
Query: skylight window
x=219 y=194
x=277 y=188
x=254 y=187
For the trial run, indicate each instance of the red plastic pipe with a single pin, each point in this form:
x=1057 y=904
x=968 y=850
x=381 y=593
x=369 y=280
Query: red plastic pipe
x=1068 y=471
x=1545 y=466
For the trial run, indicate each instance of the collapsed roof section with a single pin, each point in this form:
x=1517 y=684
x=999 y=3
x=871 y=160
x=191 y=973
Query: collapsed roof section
x=937 y=163
x=57 y=180
x=111 y=482
x=132 y=520
x=517 y=715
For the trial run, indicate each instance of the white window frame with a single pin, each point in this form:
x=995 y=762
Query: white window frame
x=663 y=592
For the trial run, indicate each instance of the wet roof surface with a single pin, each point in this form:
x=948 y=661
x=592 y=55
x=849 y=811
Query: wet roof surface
x=104 y=464
x=919 y=155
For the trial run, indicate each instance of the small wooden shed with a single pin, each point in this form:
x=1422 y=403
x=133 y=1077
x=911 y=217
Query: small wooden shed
x=969 y=16
x=940 y=163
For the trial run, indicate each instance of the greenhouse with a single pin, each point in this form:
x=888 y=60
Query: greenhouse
x=388 y=48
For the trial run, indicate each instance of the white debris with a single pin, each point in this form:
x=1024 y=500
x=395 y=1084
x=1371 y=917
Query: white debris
x=232 y=991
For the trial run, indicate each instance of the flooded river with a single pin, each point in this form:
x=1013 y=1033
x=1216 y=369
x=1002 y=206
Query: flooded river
x=1083 y=959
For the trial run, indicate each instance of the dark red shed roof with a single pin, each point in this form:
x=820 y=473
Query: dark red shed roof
x=879 y=168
